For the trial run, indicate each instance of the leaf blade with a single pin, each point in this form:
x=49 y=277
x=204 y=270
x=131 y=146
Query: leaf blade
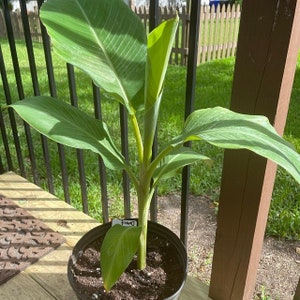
x=59 y=121
x=81 y=28
x=117 y=251
x=226 y=129
x=159 y=46
x=175 y=161
x=160 y=43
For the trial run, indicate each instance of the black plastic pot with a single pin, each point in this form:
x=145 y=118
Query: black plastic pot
x=174 y=244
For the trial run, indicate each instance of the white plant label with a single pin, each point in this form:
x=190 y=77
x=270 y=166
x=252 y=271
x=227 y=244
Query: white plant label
x=125 y=222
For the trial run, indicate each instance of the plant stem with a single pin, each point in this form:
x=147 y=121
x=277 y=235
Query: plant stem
x=142 y=251
x=138 y=137
x=145 y=193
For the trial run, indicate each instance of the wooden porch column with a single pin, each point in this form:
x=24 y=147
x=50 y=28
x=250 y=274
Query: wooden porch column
x=265 y=64
x=297 y=293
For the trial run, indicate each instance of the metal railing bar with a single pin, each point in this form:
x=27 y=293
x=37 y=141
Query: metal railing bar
x=53 y=93
x=125 y=152
x=189 y=107
x=36 y=90
x=79 y=153
x=1 y=166
x=29 y=47
x=48 y=56
x=5 y=143
x=13 y=50
x=11 y=115
x=153 y=22
x=20 y=89
x=64 y=172
x=101 y=166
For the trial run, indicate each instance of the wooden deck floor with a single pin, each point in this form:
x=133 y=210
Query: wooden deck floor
x=47 y=278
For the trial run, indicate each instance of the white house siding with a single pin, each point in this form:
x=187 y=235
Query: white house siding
x=30 y=5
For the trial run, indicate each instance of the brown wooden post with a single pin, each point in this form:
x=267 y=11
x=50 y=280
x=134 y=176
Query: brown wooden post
x=297 y=293
x=265 y=64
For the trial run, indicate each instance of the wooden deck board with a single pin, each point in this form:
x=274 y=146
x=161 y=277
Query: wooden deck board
x=51 y=270
x=47 y=278
x=23 y=287
x=194 y=289
x=46 y=207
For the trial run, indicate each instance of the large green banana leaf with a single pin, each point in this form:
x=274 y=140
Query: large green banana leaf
x=69 y=126
x=103 y=38
x=226 y=129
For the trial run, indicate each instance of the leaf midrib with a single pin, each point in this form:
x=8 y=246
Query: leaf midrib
x=103 y=49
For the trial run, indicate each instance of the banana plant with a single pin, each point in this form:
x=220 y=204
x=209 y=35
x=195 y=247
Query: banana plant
x=105 y=39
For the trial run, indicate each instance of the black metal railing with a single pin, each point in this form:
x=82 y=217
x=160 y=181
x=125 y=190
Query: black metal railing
x=19 y=152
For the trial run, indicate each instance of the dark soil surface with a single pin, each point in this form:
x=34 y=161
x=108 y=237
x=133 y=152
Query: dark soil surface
x=279 y=268
x=160 y=279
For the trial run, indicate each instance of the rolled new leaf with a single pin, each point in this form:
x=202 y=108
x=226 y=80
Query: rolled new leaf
x=160 y=43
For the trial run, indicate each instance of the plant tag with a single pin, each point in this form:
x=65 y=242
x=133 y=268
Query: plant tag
x=125 y=222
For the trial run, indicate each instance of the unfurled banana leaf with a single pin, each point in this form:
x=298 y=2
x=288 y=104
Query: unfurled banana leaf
x=69 y=126
x=103 y=38
x=226 y=129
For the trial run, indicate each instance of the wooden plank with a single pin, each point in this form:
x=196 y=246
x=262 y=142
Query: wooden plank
x=55 y=213
x=297 y=293
x=215 y=25
x=267 y=52
x=23 y=287
x=50 y=272
x=194 y=289
x=201 y=36
x=228 y=17
x=184 y=36
x=206 y=23
x=2 y=25
x=221 y=28
x=236 y=30
x=45 y=279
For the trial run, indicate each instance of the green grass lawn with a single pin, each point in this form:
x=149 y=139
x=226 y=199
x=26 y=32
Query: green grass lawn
x=214 y=81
